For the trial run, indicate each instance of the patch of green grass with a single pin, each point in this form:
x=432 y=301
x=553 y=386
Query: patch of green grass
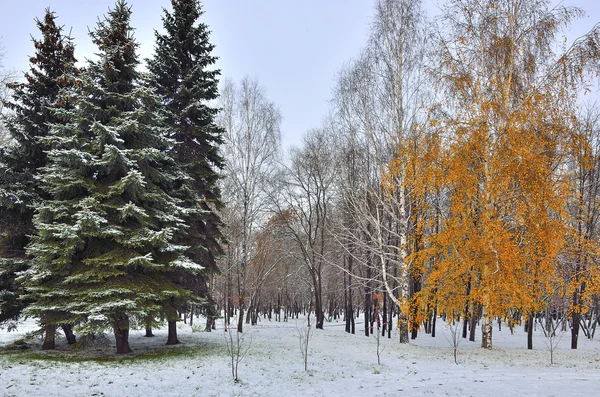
x=156 y=353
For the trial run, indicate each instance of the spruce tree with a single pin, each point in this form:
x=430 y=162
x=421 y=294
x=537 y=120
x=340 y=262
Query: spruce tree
x=104 y=247
x=51 y=70
x=181 y=72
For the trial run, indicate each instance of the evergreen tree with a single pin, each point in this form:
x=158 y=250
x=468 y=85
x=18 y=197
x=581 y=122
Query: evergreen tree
x=104 y=248
x=180 y=71
x=52 y=69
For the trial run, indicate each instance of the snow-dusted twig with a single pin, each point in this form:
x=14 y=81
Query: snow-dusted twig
x=237 y=348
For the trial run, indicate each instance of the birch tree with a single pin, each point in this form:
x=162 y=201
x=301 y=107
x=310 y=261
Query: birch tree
x=378 y=100
x=251 y=150
x=509 y=102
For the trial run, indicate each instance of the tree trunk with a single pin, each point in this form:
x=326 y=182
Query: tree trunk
x=466 y=311
x=318 y=296
x=172 y=338
x=319 y=311
x=390 y=320
x=278 y=309
x=486 y=332
x=575 y=323
x=149 y=333
x=350 y=307
x=240 y=324
x=255 y=313
x=209 y=323
x=250 y=310
x=68 y=330
x=473 y=326
x=530 y=332
x=367 y=312
x=433 y=321
x=384 y=315
x=121 y=330
x=49 y=337
x=414 y=325
x=403 y=328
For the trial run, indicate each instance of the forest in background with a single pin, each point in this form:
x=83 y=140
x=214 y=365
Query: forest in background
x=455 y=177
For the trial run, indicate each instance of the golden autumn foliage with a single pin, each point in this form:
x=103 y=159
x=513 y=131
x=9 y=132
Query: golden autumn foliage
x=486 y=176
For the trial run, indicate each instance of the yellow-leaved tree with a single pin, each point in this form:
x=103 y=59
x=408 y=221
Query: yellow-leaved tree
x=505 y=124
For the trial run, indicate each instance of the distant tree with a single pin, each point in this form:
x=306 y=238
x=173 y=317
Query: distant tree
x=251 y=150
x=306 y=199
x=104 y=248
x=181 y=73
x=28 y=122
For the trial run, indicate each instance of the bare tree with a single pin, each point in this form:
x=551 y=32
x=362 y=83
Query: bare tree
x=251 y=149
x=304 y=337
x=306 y=192
x=238 y=346
x=378 y=100
x=454 y=338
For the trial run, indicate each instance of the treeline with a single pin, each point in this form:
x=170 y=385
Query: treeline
x=456 y=176
x=108 y=189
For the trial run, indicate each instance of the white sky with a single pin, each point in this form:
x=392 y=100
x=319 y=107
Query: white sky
x=294 y=47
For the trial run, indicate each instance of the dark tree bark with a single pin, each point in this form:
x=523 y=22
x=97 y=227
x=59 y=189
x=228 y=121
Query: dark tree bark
x=433 y=321
x=172 y=338
x=384 y=315
x=249 y=312
x=390 y=320
x=575 y=321
x=318 y=295
x=466 y=311
x=149 y=333
x=473 y=326
x=210 y=320
x=255 y=313
x=68 y=330
x=240 y=324
x=350 y=326
x=278 y=309
x=530 y=332
x=367 y=313
x=121 y=331
x=49 y=337
x=414 y=325
x=346 y=306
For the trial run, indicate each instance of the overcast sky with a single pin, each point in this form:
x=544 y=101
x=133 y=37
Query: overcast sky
x=295 y=48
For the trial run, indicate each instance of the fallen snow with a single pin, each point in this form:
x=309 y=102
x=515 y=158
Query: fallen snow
x=340 y=364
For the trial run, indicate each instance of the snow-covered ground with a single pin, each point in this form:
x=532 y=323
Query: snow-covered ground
x=339 y=364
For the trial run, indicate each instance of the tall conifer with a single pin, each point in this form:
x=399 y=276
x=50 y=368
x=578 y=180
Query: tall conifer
x=51 y=70
x=104 y=247
x=182 y=74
